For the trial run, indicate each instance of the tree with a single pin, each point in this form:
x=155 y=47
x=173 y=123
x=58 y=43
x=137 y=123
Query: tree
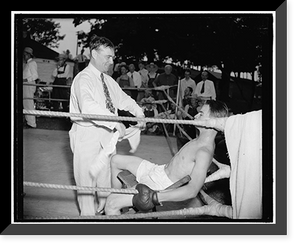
x=235 y=40
x=42 y=30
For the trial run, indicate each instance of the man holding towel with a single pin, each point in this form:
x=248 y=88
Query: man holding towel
x=95 y=92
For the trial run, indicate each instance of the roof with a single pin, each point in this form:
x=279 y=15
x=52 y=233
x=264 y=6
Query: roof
x=39 y=50
x=217 y=75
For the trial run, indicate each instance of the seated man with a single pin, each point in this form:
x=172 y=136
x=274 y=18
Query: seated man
x=192 y=159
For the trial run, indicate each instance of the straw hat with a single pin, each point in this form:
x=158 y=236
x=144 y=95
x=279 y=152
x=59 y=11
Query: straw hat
x=29 y=50
x=152 y=65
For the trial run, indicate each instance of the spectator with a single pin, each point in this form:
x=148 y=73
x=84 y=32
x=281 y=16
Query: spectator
x=68 y=54
x=150 y=110
x=152 y=75
x=81 y=59
x=205 y=89
x=144 y=74
x=187 y=81
x=117 y=67
x=192 y=107
x=168 y=79
x=30 y=74
x=186 y=97
x=124 y=80
x=62 y=75
x=137 y=80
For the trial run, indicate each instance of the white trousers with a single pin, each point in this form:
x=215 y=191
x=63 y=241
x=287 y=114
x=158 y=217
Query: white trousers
x=86 y=145
x=28 y=92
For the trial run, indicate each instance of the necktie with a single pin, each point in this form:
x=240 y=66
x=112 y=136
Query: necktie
x=108 y=101
x=202 y=89
x=132 y=80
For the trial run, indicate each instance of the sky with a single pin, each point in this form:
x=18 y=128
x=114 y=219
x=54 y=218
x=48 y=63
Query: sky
x=69 y=42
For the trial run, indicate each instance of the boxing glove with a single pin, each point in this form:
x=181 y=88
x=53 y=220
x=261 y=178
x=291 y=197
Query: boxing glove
x=146 y=199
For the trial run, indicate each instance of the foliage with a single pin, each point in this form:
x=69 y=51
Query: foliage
x=234 y=40
x=43 y=30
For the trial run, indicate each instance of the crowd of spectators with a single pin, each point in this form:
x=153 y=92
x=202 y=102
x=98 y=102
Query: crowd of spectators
x=145 y=85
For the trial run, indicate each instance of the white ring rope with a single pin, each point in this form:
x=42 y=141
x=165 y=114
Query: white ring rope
x=82 y=188
x=210 y=123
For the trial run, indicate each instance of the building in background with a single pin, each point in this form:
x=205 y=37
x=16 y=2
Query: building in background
x=45 y=59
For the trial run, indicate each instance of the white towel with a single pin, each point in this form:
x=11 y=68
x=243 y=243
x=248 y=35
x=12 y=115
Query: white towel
x=102 y=162
x=243 y=135
x=133 y=134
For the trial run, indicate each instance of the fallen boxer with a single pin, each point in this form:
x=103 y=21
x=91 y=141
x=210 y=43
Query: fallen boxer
x=193 y=159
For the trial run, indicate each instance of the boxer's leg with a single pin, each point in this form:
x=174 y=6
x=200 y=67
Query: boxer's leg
x=115 y=202
x=123 y=162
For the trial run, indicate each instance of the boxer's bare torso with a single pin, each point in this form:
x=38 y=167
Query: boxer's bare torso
x=183 y=163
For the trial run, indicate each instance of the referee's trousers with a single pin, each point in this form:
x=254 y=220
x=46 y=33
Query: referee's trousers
x=86 y=144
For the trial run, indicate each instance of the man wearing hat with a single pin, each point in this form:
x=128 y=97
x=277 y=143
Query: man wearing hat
x=30 y=74
x=62 y=75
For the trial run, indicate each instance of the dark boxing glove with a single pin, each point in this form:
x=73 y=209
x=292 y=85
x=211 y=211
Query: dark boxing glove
x=146 y=199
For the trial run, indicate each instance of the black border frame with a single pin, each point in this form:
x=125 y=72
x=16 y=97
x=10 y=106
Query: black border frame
x=281 y=214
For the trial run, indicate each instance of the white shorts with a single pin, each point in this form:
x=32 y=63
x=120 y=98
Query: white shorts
x=153 y=175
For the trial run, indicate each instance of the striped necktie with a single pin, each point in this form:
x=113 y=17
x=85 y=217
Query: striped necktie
x=108 y=101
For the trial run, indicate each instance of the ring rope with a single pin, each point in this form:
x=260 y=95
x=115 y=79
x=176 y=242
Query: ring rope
x=115 y=118
x=158 y=88
x=71 y=187
x=46 y=99
x=214 y=210
x=49 y=85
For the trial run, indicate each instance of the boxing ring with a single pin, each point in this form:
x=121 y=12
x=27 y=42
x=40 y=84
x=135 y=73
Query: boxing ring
x=212 y=207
